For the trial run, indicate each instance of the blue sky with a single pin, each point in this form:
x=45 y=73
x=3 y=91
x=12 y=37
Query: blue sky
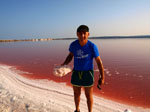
x=60 y=18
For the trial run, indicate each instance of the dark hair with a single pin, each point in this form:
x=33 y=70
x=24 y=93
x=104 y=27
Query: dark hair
x=83 y=28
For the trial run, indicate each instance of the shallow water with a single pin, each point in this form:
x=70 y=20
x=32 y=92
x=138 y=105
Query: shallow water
x=126 y=63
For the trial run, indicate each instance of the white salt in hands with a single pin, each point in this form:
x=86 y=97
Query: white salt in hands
x=61 y=71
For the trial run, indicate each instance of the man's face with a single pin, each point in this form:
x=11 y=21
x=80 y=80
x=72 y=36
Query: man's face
x=83 y=36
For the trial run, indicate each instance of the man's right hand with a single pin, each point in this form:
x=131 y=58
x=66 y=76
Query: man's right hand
x=100 y=82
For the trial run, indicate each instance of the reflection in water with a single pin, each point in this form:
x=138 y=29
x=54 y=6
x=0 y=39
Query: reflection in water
x=126 y=63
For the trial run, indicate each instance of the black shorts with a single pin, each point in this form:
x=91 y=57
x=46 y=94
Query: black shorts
x=82 y=78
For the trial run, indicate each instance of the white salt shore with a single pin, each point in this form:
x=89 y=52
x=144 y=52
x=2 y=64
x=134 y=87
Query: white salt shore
x=18 y=94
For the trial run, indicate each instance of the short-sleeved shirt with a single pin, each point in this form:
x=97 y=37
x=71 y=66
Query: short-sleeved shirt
x=83 y=55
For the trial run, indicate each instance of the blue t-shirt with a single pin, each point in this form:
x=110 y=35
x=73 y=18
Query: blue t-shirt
x=83 y=55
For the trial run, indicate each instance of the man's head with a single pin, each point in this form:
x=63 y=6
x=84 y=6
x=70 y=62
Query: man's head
x=83 y=28
x=83 y=32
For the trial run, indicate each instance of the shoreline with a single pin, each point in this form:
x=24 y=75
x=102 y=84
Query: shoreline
x=17 y=92
x=98 y=37
x=100 y=93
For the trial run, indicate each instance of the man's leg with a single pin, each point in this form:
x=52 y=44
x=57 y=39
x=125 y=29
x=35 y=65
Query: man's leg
x=89 y=97
x=77 y=93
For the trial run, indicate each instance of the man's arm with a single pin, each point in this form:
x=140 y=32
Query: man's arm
x=68 y=59
x=100 y=67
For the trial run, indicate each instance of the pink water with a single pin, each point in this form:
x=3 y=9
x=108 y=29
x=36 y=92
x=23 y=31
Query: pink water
x=127 y=63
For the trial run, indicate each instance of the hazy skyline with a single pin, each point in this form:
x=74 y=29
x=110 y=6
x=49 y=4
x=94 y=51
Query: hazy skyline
x=60 y=18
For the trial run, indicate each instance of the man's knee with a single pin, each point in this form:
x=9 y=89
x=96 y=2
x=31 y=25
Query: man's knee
x=89 y=93
x=77 y=93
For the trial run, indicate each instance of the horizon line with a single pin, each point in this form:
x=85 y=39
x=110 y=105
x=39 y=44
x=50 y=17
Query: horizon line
x=93 y=37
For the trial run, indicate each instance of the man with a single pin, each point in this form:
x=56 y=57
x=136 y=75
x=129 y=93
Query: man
x=83 y=52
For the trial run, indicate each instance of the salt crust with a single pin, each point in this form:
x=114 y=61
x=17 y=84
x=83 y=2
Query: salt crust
x=18 y=94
